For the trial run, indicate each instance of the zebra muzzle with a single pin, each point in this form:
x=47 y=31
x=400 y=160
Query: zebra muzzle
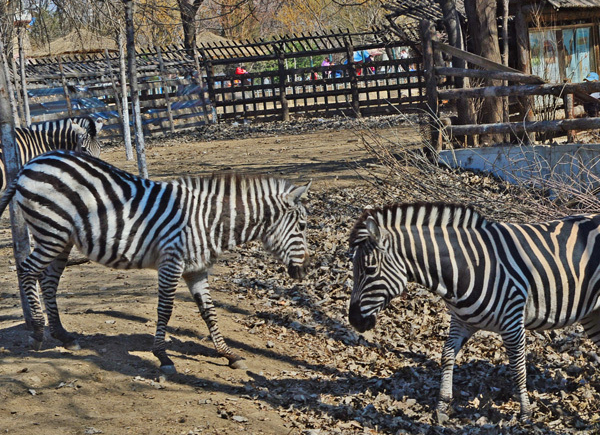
x=360 y=323
x=297 y=271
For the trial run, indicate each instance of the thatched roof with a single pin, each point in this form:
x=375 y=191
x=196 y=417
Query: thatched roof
x=78 y=41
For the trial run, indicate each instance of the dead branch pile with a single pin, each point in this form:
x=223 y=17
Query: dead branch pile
x=406 y=174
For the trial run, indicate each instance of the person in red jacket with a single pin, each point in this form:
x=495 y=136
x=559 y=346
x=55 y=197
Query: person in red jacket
x=240 y=71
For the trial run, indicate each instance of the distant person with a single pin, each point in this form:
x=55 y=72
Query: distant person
x=403 y=54
x=240 y=71
x=592 y=108
x=326 y=63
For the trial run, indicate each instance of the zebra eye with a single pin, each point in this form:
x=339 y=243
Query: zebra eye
x=302 y=226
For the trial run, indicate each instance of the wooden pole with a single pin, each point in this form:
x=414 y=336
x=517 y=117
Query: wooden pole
x=522 y=42
x=113 y=82
x=569 y=114
x=16 y=85
x=10 y=155
x=133 y=85
x=23 y=77
x=65 y=87
x=427 y=34
x=563 y=125
x=10 y=90
x=163 y=75
x=285 y=110
x=353 y=78
x=584 y=88
x=200 y=81
x=210 y=80
x=125 y=101
x=485 y=74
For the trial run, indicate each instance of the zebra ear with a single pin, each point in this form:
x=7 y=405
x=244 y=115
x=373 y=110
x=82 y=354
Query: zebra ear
x=299 y=193
x=373 y=229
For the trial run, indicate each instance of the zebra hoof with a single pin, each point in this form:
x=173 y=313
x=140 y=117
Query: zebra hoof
x=73 y=345
x=168 y=369
x=35 y=344
x=239 y=364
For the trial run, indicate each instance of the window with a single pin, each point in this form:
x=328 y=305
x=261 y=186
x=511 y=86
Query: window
x=560 y=54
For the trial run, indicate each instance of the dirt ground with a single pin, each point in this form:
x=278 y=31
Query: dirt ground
x=112 y=385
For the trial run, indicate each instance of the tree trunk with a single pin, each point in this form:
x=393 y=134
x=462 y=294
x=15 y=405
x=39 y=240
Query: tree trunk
x=133 y=85
x=464 y=108
x=188 y=10
x=11 y=163
x=483 y=29
x=125 y=99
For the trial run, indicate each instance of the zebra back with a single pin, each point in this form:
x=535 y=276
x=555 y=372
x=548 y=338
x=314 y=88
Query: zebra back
x=425 y=214
x=51 y=135
x=201 y=217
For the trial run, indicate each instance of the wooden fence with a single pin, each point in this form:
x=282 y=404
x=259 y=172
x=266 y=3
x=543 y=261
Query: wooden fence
x=182 y=90
x=523 y=86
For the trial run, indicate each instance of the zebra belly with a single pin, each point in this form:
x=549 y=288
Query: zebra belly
x=553 y=316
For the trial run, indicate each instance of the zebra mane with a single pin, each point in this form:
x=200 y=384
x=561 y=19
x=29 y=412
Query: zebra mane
x=281 y=184
x=437 y=214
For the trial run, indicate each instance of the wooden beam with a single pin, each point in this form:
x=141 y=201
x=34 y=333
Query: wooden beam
x=475 y=59
x=494 y=75
x=583 y=89
x=563 y=125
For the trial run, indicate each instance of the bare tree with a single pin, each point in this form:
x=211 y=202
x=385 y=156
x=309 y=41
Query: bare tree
x=188 y=10
x=11 y=164
x=483 y=28
x=133 y=86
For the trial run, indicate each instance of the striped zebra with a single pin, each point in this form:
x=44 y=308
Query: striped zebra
x=494 y=276
x=77 y=133
x=122 y=221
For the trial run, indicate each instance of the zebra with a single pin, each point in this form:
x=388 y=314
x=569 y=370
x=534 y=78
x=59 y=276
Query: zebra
x=494 y=276
x=177 y=227
x=77 y=133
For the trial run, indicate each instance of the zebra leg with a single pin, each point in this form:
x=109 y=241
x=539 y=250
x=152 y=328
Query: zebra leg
x=49 y=283
x=198 y=285
x=457 y=337
x=169 y=273
x=29 y=272
x=514 y=341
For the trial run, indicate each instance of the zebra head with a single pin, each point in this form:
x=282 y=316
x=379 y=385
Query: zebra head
x=379 y=272
x=88 y=134
x=285 y=238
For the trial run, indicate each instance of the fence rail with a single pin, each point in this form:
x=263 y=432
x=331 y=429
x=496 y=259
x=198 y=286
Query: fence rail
x=180 y=90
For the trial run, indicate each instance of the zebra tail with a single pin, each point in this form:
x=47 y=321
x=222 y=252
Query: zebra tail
x=8 y=194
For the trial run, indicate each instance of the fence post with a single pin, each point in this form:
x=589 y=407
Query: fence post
x=10 y=90
x=20 y=235
x=569 y=108
x=65 y=87
x=285 y=110
x=523 y=62
x=161 y=67
x=200 y=81
x=19 y=113
x=113 y=83
x=353 y=78
x=210 y=81
x=427 y=34
x=125 y=102
x=23 y=77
